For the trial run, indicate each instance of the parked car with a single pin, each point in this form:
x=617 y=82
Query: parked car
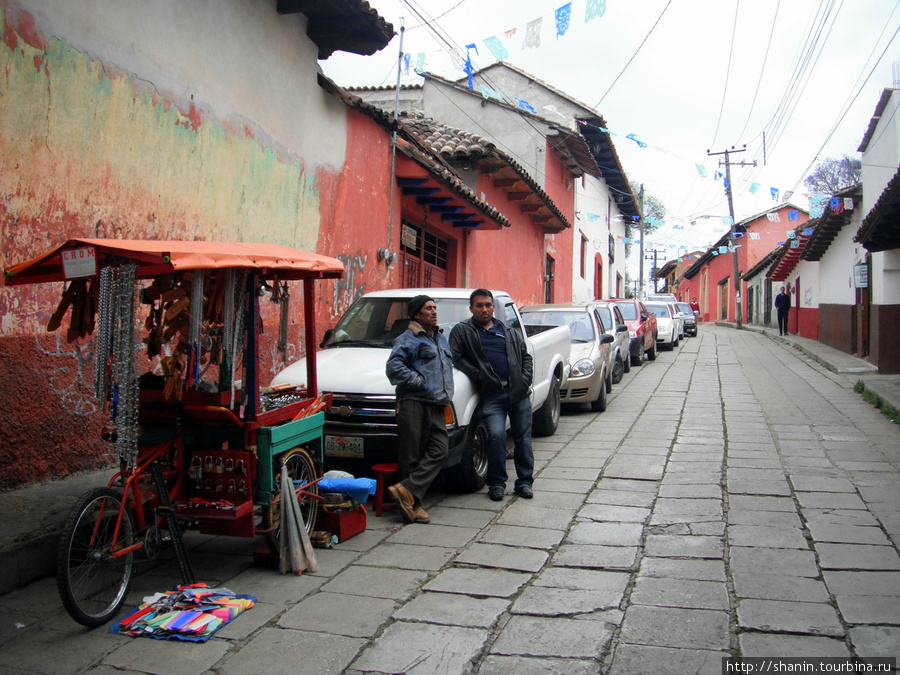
x=690 y=319
x=678 y=317
x=641 y=327
x=590 y=374
x=660 y=297
x=614 y=323
x=666 y=324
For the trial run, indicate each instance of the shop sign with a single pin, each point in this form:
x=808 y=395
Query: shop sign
x=79 y=262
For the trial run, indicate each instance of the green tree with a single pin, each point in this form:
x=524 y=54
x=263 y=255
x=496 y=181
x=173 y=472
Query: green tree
x=654 y=212
x=832 y=175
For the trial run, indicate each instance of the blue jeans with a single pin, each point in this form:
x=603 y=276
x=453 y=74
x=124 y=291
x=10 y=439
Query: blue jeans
x=495 y=407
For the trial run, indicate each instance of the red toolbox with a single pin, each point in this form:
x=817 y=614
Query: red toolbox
x=341 y=522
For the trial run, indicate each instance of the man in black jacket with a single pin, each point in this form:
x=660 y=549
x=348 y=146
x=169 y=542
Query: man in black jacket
x=782 y=306
x=496 y=359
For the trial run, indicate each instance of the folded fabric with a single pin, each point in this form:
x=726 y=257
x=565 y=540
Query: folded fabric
x=190 y=613
x=356 y=488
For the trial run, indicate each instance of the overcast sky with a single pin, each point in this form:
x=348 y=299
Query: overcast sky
x=684 y=77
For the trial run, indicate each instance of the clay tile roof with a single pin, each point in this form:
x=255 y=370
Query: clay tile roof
x=341 y=25
x=455 y=145
x=880 y=230
x=830 y=224
x=449 y=142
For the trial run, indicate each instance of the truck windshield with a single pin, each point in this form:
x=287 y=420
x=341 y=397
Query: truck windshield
x=579 y=323
x=376 y=322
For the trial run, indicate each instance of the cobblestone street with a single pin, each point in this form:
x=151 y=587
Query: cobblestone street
x=736 y=499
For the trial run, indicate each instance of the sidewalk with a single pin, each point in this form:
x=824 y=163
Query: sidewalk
x=31 y=517
x=886 y=386
x=736 y=499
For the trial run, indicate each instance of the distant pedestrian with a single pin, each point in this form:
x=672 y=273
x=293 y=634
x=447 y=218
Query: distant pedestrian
x=421 y=369
x=783 y=306
x=696 y=307
x=496 y=359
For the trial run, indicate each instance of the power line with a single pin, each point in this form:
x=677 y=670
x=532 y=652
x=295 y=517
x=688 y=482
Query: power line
x=646 y=37
x=762 y=70
x=847 y=108
x=737 y=7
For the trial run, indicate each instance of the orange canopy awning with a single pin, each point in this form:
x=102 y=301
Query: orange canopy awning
x=156 y=257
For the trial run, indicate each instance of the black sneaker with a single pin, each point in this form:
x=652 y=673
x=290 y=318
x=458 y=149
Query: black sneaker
x=495 y=492
x=525 y=491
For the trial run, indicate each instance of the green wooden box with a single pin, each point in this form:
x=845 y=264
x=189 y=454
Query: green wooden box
x=274 y=440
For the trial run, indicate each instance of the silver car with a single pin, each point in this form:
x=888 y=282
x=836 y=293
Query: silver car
x=614 y=323
x=590 y=377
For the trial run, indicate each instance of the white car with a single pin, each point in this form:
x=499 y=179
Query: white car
x=667 y=324
x=679 y=319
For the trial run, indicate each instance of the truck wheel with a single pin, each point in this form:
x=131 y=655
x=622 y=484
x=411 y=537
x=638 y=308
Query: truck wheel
x=651 y=353
x=470 y=473
x=546 y=419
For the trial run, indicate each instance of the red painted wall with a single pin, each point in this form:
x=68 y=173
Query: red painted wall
x=355 y=222
x=751 y=251
x=807 y=321
x=560 y=187
x=510 y=259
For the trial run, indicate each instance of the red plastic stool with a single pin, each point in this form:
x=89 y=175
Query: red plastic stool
x=383 y=473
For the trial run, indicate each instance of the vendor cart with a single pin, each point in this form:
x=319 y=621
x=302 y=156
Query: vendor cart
x=201 y=444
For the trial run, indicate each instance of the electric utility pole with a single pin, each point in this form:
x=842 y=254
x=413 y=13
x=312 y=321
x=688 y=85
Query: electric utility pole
x=654 y=255
x=641 y=261
x=736 y=273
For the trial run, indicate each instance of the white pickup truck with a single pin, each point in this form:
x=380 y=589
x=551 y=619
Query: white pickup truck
x=361 y=429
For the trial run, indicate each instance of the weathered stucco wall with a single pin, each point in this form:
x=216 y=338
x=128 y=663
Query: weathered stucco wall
x=155 y=120
x=89 y=149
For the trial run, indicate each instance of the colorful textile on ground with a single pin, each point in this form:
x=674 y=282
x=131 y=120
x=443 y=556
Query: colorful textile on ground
x=190 y=613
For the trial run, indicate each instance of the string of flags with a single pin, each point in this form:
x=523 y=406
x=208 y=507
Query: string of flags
x=792 y=236
x=838 y=205
x=533 y=35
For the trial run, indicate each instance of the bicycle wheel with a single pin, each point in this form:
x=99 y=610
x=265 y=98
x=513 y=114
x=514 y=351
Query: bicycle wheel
x=300 y=468
x=93 y=584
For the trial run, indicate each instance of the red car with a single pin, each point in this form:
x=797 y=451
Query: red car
x=641 y=326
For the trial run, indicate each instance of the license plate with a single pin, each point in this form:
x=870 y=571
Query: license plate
x=344 y=446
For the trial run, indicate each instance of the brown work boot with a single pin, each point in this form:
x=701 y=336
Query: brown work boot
x=421 y=515
x=405 y=501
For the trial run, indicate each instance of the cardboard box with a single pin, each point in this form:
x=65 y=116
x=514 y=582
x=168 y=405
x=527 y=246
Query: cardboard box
x=343 y=524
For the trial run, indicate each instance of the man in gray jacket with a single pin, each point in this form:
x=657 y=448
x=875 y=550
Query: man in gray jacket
x=421 y=370
x=496 y=359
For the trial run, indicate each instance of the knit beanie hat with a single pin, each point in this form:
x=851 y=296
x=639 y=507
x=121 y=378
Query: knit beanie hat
x=415 y=305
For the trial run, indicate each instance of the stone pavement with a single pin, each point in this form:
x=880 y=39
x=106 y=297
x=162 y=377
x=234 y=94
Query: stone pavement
x=737 y=498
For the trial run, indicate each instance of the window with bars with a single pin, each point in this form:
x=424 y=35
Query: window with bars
x=424 y=245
